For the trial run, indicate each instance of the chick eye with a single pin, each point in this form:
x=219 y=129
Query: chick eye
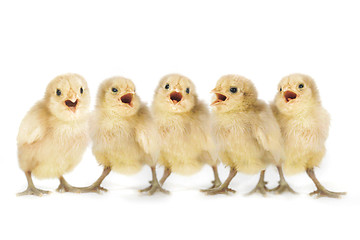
x=167 y=86
x=188 y=90
x=81 y=90
x=233 y=89
x=114 y=90
x=301 y=85
x=280 y=89
x=58 y=92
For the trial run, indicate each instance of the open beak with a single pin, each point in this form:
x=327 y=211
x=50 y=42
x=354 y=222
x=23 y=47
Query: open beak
x=176 y=97
x=289 y=95
x=72 y=104
x=127 y=99
x=219 y=98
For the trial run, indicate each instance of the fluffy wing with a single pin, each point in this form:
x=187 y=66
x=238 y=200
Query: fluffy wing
x=268 y=134
x=32 y=127
x=146 y=134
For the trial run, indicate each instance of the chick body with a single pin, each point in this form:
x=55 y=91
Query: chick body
x=54 y=134
x=241 y=136
x=54 y=148
x=116 y=140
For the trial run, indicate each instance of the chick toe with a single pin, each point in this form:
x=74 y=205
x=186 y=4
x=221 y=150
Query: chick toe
x=33 y=191
x=154 y=185
x=261 y=186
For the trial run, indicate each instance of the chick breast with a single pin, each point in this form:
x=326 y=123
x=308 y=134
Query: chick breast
x=186 y=142
x=304 y=138
x=47 y=147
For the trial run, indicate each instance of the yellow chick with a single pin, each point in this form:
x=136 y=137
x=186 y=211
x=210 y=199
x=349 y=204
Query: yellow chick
x=54 y=134
x=123 y=133
x=304 y=125
x=246 y=131
x=183 y=124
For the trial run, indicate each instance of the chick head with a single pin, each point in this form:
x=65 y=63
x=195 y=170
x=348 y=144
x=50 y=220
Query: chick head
x=67 y=97
x=233 y=92
x=175 y=93
x=117 y=95
x=296 y=91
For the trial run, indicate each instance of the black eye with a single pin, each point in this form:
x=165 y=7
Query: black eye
x=114 y=90
x=233 y=89
x=167 y=86
x=58 y=92
x=280 y=89
x=188 y=90
x=301 y=85
x=81 y=90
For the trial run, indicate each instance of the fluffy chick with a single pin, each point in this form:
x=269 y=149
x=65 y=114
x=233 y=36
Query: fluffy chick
x=246 y=131
x=123 y=134
x=183 y=124
x=304 y=125
x=54 y=134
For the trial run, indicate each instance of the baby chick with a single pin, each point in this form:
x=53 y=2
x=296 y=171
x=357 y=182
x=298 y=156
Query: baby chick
x=246 y=131
x=123 y=133
x=54 y=134
x=183 y=124
x=305 y=125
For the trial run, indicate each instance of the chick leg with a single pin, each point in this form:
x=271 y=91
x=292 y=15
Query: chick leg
x=217 y=182
x=224 y=188
x=31 y=189
x=166 y=174
x=154 y=184
x=283 y=185
x=321 y=190
x=261 y=186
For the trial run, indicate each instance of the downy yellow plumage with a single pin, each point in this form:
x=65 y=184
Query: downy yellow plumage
x=304 y=125
x=123 y=133
x=54 y=134
x=183 y=124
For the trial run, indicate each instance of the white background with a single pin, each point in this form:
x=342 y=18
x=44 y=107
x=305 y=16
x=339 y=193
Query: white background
x=144 y=40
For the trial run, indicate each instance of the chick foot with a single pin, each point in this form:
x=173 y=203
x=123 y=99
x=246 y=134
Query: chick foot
x=66 y=187
x=283 y=185
x=31 y=189
x=326 y=193
x=153 y=188
x=154 y=185
x=321 y=190
x=216 y=183
x=261 y=186
x=219 y=190
x=224 y=188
